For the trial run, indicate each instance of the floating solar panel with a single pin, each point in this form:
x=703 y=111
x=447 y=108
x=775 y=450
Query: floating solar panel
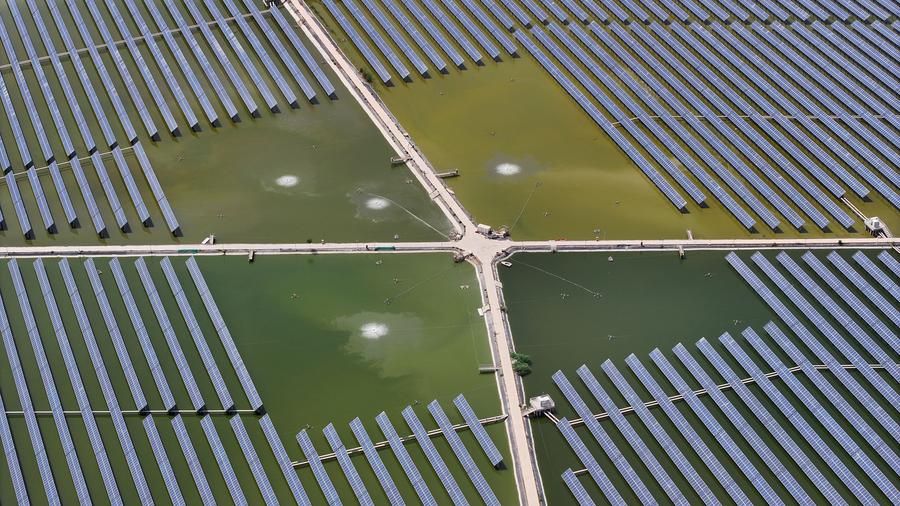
x=110 y=191
x=877 y=274
x=256 y=467
x=224 y=463
x=862 y=58
x=656 y=10
x=638 y=12
x=235 y=46
x=589 y=462
x=462 y=454
x=218 y=322
x=600 y=435
x=304 y=53
x=381 y=472
x=414 y=33
x=433 y=31
x=87 y=333
x=635 y=441
x=62 y=428
x=885 y=31
x=284 y=462
x=517 y=11
x=81 y=397
x=358 y=41
x=437 y=462
x=490 y=26
x=694 y=440
x=88 y=196
x=849 y=298
x=598 y=12
x=193 y=462
x=131 y=186
x=481 y=435
x=890 y=262
x=19 y=205
x=258 y=48
x=746 y=430
x=209 y=363
x=409 y=467
x=674 y=197
x=60 y=185
x=375 y=36
x=453 y=30
x=558 y=12
x=668 y=445
x=499 y=14
x=340 y=451
x=211 y=75
x=537 y=11
x=283 y=53
x=863 y=286
x=184 y=370
x=819 y=413
x=857 y=422
x=162 y=460
x=143 y=336
x=576 y=488
x=863 y=45
x=158 y=194
x=12 y=458
x=312 y=457
x=838 y=313
x=392 y=32
x=576 y=10
x=18 y=135
x=41 y=199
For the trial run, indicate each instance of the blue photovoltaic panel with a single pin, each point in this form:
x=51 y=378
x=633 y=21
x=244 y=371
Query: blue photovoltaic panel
x=656 y=10
x=558 y=12
x=589 y=462
x=576 y=10
x=890 y=262
x=340 y=451
x=462 y=454
x=312 y=457
x=162 y=461
x=409 y=467
x=19 y=205
x=877 y=274
x=453 y=30
x=62 y=193
x=156 y=188
x=193 y=462
x=490 y=26
x=415 y=34
x=18 y=135
x=43 y=207
x=394 y=34
x=224 y=463
x=596 y=10
x=88 y=196
x=863 y=286
x=500 y=14
x=381 y=472
x=481 y=435
x=517 y=11
x=695 y=442
x=218 y=322
x=252 y=458
x=304 y=53
x=537 y=11
x=639 y=13
x=130 y=185
x=284 y=462
x=110 y=190
x=433 y=31
x=375 y=36
x=437 y=462
x=12 y=458
x=358 y=41
x=576 y=488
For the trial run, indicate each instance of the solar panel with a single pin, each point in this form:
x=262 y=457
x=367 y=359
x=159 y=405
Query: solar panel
x=12 y=458
x=437 y=462
x=820 y=414
x=340 y=451
x=669 y=447
x=157 y=190
x=862 y=45
x=312 y=457
x=110 y=191
x=890 y=262
x=409 y=467
x=838 y=313
x=209 y=363
x=231 y=350
x=877 y=274
x=381 y=472
x=556 y=10
x=699 y=12
x=304 y=53
x=21 y=143
x=499 y=14
x=65 y=437
x=462 y=454
x=415 y=34
x=695 y=442
x=60 y=185
x=81 y=397
x=488 y=25
x=517 y=11
x=131 y=186
x=639 y=13
x=358 y=41
x=31 y=423
x=849 y=298
x=453 y=30
x=745 y=429
x=193 y=462
x=87 y=333
x=857 y=422
x=224 y=463
x=813 y=344
x=481 y=435
x=162 y=460
x=637 y=444
x=88 y=196
x=577 y=490
x=156 y=370
x=536 y=11
x=861 y=58
x=826 y=329
x=19 y=205
x=41 y=199
x=588 y=461
x=377 y=39
x=211 y=75
x=284 y=462
x=392 y=32
x=656 y=10
x=602 y=438
x=863 y=286
x=259 y=473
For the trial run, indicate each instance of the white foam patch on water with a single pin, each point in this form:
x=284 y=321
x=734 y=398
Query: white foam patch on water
x=373 y=330
x=377 y=203
x=508 y=169
x=287 y=181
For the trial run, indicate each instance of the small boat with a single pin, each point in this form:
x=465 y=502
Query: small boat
x=506 y=263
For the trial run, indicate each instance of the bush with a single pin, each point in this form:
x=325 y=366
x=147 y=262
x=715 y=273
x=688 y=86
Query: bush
x=520 y=357
x=521 y=363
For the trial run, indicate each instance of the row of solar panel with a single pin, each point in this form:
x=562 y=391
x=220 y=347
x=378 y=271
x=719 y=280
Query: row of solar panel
x=828 y=459
x=95 y=215
x=866 y=135
x=412 y=473
x=475 y=28
x=646 y=11
x=113 y=407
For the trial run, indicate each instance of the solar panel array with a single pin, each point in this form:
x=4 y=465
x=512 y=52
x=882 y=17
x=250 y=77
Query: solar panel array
x=803 y=436
x=114 y=295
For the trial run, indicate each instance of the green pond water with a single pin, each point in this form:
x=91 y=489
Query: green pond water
x=321 y=345
x=649 y=300
x=321 y=171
